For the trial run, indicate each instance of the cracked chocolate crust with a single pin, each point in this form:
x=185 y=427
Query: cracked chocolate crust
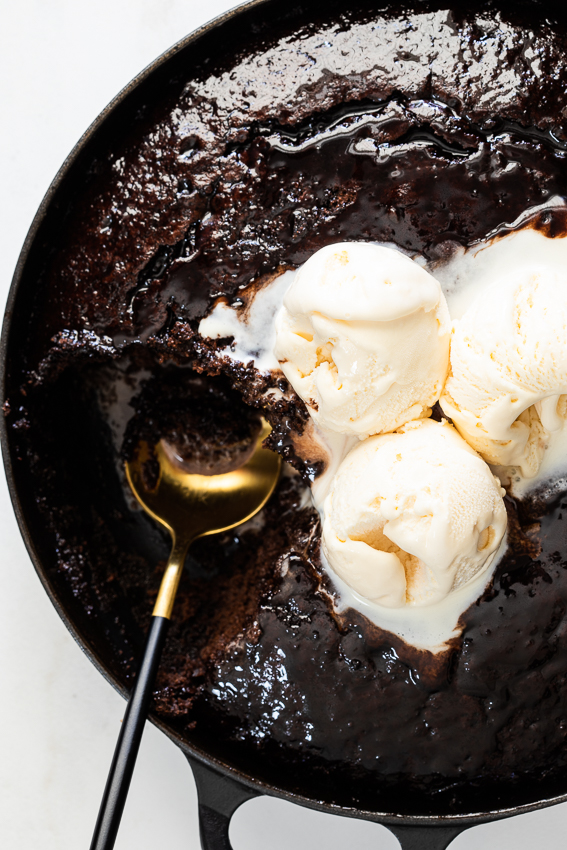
x=237 y=175
x=419 y=126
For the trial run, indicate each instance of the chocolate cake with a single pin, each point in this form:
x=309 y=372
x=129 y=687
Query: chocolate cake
x=417 y=125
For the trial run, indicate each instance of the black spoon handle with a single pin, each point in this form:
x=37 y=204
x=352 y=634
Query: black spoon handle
x=128 y=744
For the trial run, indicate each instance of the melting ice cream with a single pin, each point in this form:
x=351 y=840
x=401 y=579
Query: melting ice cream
x=412 y=516
x=348 y=315
x=508 y=379
x=363 y=338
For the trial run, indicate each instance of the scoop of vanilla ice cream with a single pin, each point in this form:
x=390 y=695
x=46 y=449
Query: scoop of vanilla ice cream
x=412 y=516
x=508 y=370
x=363 y=338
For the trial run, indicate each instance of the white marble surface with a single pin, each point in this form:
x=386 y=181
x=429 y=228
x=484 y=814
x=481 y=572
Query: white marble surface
x=61 y=61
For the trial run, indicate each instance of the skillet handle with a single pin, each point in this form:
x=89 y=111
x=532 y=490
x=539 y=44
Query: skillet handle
x=425 y=837
x=219 y=797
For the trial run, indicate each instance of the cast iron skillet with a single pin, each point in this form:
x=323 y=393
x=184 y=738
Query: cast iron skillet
x=221 y=787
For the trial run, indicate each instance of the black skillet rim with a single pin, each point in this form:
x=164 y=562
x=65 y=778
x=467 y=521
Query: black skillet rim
x=386 y=818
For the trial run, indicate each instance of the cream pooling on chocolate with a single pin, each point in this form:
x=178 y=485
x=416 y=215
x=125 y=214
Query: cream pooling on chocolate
x=412 y=516
x=363 y=338
x=463 y=275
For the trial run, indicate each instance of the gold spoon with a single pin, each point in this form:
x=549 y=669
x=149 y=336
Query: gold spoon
x=189 y=506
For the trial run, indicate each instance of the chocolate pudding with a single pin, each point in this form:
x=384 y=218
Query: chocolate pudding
x=418 y=126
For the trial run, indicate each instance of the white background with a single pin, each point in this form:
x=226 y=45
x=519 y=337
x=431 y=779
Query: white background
x=61 y=61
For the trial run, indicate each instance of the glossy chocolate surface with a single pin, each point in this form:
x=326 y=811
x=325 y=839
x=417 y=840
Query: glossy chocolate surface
x=422 y=127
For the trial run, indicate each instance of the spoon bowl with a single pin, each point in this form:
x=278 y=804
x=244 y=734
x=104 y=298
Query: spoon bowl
x=191 y=505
